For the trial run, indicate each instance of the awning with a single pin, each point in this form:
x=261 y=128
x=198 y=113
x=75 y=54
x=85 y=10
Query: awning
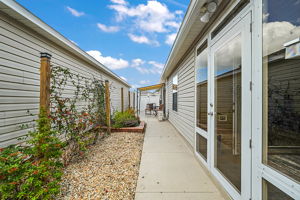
x=151 y=87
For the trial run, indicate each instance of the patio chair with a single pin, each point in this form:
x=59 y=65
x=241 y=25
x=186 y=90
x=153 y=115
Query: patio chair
x=149 y=108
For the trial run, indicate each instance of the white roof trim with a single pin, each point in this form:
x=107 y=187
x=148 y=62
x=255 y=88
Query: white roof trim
x=180 y=35
x=62 y=41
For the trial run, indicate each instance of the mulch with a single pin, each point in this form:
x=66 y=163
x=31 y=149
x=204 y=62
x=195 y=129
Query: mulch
x=109 y=170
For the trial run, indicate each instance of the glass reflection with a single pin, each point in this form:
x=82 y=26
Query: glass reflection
x=201 y=146
x=174 y=92
x=273 y=193
x=228 y=110
x=201 y=77
x=281 y=91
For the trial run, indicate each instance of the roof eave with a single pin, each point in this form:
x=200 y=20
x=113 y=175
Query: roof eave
x=182 y=34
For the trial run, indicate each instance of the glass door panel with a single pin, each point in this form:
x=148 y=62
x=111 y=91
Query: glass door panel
x=281 y=86
x=202 y=84
x=271 y=192
x=227 y=77
x=201 y=146
x=202 y=100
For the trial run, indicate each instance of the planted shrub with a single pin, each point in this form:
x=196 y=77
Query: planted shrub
x=125 y=119
x=32 y=171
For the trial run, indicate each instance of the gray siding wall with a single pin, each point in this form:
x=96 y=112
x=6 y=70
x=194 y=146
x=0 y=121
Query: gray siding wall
x=184 y=118
x=20 y=49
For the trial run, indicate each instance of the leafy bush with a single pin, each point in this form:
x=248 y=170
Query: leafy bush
x=125 y=119
x=32 y=171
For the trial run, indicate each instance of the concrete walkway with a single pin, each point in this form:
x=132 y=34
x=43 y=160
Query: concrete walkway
x=169 y=170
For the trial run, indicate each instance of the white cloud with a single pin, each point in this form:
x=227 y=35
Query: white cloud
x=177 y=3
x=137 y=62
x=179 y=12
x=173 y=24
x=143 y=70
x=156 y=64
x=75 y=12
x=108 y=29
x=276 y=34
x=229 y=56
x=143 y=82
x=122 y=77
x=139 y=39
x=122 y=2
x=134 y=86
x=170 y=38
x=150 y=67
x=151 y=17
x=142 y=40
x=108 y=61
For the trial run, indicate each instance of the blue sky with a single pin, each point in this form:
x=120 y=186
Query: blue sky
x=132 y=38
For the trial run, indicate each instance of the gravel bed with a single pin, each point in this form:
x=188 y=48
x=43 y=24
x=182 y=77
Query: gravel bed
x=109 y=169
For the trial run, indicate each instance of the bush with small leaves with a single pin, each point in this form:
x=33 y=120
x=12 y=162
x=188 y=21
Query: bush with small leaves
x=125 y=119
x=32 y=171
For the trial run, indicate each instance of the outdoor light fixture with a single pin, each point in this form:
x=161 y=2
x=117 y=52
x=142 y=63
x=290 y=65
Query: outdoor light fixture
x=208 y=9
x=205 y=17
x=212 y=7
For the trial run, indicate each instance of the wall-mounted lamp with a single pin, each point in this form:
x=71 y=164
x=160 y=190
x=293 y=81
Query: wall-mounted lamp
x=205 y=17
x=208 y=9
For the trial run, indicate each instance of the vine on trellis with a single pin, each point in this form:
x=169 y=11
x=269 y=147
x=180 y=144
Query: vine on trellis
x=77 y=107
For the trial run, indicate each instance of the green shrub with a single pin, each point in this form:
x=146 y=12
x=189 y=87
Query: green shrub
x=32 y=171
x=124 y=119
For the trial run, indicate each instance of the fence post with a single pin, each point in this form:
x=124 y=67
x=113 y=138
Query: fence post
x=122 y=100
x=137 y=102
x=133 y=100
x=45 y=74
x=129 y=99
x=107 y=106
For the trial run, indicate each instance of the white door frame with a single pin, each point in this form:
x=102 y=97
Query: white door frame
x=242 y=26
x=198 y=130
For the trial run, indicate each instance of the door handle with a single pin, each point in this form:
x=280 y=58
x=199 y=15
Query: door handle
x=210 y=113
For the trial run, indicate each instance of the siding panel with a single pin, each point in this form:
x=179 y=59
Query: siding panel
x=184 y=118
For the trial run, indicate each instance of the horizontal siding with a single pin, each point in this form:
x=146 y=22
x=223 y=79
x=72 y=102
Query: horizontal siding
x=184 y=118
x=20 y=49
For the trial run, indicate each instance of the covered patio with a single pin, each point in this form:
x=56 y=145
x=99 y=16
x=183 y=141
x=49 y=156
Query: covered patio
x=169 y=169
x=153 y=107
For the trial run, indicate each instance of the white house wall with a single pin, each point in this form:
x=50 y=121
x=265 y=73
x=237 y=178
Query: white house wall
x=184 y=118
x=20 y=49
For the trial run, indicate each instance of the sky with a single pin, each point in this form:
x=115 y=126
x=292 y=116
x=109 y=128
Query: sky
x=279 y=26
x=132 y=38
